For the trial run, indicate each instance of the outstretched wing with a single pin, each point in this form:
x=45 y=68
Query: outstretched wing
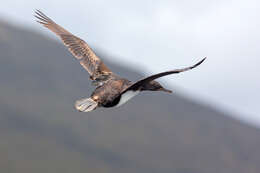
x=78 y=47
x=136 y=86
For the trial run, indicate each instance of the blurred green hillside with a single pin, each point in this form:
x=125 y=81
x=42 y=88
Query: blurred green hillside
x=41 y=132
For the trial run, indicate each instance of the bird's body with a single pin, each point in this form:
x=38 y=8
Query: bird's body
x=112 y=90
x=107 y=93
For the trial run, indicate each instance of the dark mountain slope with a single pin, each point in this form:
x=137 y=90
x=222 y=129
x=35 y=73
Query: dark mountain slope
x=41 y=132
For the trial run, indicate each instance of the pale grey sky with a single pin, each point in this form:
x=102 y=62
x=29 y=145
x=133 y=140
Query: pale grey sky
x=162 y=35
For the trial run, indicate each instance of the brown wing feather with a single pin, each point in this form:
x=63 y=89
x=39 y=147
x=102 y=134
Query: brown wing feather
x=78 y=47
x=139 y=83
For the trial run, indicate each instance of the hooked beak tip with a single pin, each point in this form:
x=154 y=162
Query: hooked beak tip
x=165 y=90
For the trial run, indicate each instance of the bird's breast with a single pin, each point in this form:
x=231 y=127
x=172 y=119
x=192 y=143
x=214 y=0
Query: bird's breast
x=126 y=97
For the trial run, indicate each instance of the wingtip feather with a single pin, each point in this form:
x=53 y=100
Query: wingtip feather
x=197 y=64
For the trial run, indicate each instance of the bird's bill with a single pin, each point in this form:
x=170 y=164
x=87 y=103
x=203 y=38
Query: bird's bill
x=165 y=90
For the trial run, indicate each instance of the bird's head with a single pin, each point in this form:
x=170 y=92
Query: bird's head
x=155 y=86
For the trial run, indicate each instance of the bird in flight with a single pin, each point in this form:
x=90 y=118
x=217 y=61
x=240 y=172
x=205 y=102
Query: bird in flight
x=111 y=89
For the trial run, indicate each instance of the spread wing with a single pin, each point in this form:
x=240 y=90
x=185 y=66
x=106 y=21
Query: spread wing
x=138 y=84
x=79 y=48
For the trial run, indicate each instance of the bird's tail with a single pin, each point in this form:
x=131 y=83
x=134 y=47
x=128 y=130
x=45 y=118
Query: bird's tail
x=86 y=105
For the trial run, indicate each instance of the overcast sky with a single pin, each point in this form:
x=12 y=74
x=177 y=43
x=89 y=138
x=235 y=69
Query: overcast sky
x=162 y=35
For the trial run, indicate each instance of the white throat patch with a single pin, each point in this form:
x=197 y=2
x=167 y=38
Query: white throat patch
x=127 y=96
